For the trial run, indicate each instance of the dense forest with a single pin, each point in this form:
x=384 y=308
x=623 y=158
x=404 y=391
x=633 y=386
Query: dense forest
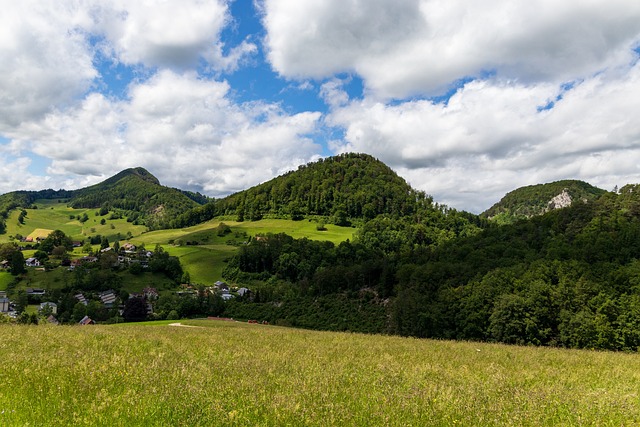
x=569 y=277
x=341 y=189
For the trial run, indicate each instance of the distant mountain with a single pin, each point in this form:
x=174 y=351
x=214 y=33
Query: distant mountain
x=135 y=193
x=341 y=188
x=534 y=200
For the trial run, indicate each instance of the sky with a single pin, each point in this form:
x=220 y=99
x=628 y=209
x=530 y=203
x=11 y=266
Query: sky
x=466 y=100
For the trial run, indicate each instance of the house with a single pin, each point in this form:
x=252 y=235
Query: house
x=51 y=319
x=35 y=292
x=108 y=298
x=107 y=249
x=81 y=298
x=226 y=296
x=221 y=286
x=150 y=293
x=86 y=320
x=243 y=291
x=128 y=247
x=4 y=305
x=4 y=265
x=52 y=305
x=32 y=262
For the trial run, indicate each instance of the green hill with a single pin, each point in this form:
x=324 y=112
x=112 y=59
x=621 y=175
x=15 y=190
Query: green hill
x=139 y=194
x=342 y=189
x=533 y=200
x=134 y=193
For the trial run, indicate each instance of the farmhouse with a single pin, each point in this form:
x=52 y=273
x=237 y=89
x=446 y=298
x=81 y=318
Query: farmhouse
x=32 y=262
x=81 y=298
x=86 y=320
x=35 y=291
x=52 y=305
x=108 y=298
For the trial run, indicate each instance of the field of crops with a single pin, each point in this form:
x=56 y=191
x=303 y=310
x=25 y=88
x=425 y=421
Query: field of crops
x=231 y=374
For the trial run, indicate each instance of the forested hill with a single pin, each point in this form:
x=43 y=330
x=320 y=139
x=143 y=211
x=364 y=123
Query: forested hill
x=139 y=194
x=533 y=200
x=341 y=188
x=134 y=193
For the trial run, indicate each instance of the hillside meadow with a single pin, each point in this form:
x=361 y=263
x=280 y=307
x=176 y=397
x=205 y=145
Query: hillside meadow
x=235 y=374
x=201 y=250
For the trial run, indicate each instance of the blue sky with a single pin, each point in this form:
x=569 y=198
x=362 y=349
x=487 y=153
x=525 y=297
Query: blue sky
x=466 y=101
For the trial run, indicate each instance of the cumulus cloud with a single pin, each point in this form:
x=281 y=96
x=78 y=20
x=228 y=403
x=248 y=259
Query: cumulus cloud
x=409 y=47
x=493 y=136
x=48 y=49
x=39 y=43
x=182 y=128
x=171 y=33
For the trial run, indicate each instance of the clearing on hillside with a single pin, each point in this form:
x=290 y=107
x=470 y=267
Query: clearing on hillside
x=39 y=233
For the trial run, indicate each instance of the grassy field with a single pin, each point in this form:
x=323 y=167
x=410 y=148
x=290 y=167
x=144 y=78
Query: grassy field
x=52 y=215
x=231 y=374
x=5 y=279
x=204 y=261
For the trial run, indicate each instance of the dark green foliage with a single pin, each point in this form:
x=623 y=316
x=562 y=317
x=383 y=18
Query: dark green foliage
x=342 y=188
x=17 y=263
x=135 y=310
x=56 y=239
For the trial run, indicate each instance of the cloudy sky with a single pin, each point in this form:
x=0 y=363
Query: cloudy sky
x=466 y=100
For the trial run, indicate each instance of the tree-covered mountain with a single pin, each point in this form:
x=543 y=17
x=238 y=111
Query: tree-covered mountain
x=341 y=188
x=134 y=193
x=139 y=194
x=533 y=200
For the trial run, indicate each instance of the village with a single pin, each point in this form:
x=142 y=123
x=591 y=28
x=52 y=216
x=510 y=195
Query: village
x=90 y=303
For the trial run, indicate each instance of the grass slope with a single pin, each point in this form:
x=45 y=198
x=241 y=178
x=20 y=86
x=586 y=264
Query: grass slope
x=52 y=215
x=204 y=261
x=230 y=374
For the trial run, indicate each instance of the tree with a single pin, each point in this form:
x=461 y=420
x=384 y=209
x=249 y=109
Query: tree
x=104 y=243
x=135 y=310
x=17 y=263
x=54 y=239
x=79 y=311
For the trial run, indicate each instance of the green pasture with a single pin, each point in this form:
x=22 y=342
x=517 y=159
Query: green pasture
x=52 y=215
x=5 y=279
x=204 y=260
x=232 y=374
x=201 y=250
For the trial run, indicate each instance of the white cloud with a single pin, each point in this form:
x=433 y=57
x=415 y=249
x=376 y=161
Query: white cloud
x=40 y=42
x=183 y=129
x=491 y=137
x=408 y=47
x=170 y=33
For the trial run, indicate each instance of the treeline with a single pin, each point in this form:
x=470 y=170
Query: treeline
x=341 y=188
x=24 y=199
x=568 y=278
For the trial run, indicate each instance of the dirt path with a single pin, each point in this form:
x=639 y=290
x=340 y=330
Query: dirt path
x=184 y=326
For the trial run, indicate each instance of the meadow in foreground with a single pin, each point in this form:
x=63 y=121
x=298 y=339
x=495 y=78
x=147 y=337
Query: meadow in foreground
x=232 y=374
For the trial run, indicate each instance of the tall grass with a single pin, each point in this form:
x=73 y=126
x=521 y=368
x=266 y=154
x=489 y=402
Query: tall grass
x=230 y=374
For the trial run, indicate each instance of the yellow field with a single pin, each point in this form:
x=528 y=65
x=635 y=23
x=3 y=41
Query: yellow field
x=231 y=374
x=39 y=232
